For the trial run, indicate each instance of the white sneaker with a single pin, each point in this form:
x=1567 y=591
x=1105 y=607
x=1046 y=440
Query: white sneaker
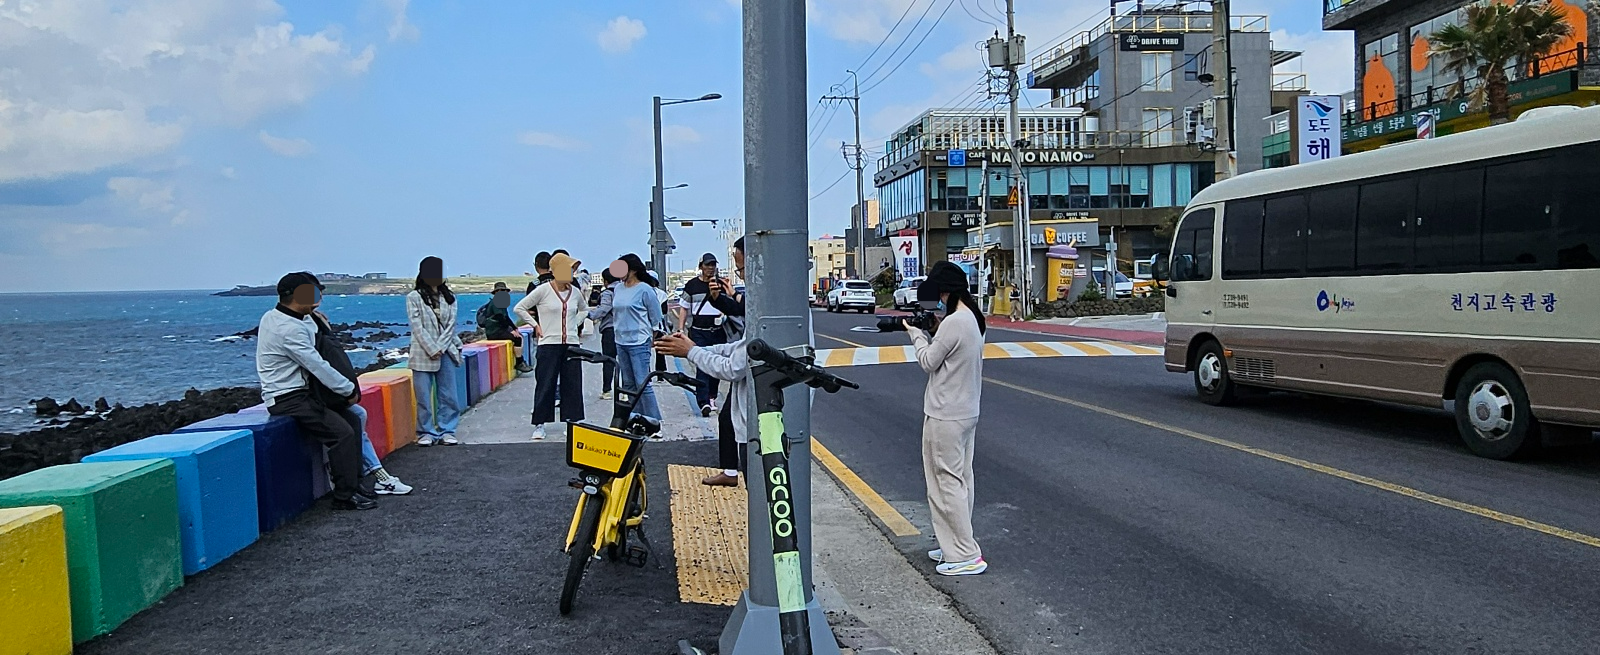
x=449 y=440
x=970 y=567
x=425 y=441
x=936 y=555
x=538 y=432
x=394 y=487
x=605 y=395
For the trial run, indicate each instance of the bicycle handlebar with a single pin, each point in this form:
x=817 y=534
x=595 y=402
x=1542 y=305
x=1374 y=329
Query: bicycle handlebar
x=799 y=370
x=675 y=379
x=574 y=352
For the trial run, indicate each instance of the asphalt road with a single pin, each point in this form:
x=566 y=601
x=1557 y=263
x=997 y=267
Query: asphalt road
x=1142 y=521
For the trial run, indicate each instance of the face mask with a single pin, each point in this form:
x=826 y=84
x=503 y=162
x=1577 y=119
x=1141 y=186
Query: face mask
x=931 y=305
x=502 y=299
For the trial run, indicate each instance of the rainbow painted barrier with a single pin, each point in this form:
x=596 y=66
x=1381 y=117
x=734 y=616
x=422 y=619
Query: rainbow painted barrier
x=283 y=464
x=122 y=538
x=373 y=398
x=477 y=369
x=35 y=600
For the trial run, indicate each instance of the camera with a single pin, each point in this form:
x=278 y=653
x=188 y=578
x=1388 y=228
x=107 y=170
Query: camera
x=920 y=318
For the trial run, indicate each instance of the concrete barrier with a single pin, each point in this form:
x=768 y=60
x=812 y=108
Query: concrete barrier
x=372 y=400
x=216 y=476
x=529 y=345
x=489 y=369
x=283 y=464
x=477 y=375
x=400 y=408
x=35 y=601
x=123 y=547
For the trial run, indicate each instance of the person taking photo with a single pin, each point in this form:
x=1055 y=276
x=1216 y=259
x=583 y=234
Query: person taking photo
x=952 y=356
x=702 y=321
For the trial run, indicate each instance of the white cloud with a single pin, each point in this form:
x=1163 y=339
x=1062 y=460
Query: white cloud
x=677 y=135
x=400 y=28
x=143 y=193
x=285 y=147
x=92 y=84
x=549 y=140
x=362 y=62
x=620 y=34
x=1328 y=60
x=228 y=172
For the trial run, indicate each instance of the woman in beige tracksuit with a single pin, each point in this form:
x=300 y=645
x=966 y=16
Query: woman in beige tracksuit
x=953 y=360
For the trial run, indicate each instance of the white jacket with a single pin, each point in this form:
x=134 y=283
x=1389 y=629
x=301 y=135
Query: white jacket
x=558 y=320
x=731 y=363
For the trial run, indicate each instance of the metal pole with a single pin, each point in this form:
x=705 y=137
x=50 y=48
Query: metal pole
x=861 y=205
x=658 y=223
x=1222 y=76
x=983 y=237
x=1024 y=248
x=775 y=105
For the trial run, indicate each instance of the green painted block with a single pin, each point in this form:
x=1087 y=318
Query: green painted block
x=123 y=544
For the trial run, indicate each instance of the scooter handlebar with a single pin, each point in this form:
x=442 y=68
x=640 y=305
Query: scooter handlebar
x=795 y=369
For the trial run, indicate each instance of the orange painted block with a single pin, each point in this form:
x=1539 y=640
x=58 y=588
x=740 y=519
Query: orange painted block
x=372 y=400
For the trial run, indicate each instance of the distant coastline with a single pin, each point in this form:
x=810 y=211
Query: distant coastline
x=388 y=286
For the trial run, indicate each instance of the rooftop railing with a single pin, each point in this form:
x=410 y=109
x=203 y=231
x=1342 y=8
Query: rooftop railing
x=1555 y=62
x=1064 y=140
x=1289 y=81
x=1185 y=22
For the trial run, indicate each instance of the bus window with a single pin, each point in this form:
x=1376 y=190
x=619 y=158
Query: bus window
x=1383 y=224
x=1578 y=230
x=1449 y=219
x=1191 y=248
x=1283 y=243
x=1241 y=239
x=1331 y=230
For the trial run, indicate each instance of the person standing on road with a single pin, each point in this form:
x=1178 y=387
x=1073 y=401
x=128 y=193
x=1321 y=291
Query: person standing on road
x=953 y=359
x=435 y=354
x=556 y=309
x=731 y=304
x=703 y=321
x=603 y=322
x=286 y=359
x=635 y=314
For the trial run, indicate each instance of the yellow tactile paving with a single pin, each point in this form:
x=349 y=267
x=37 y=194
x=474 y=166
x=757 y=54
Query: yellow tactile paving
x=708 y=536
x=841 y=357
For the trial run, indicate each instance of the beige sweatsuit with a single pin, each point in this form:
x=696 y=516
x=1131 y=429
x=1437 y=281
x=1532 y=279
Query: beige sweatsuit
x=953 y=360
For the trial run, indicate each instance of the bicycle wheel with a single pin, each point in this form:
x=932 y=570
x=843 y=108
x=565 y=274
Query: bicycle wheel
x=582 y=549
x=633 y=509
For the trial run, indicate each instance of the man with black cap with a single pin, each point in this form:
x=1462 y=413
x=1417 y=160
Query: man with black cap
x=496 y=323
x=286 y=359
x=698 y=314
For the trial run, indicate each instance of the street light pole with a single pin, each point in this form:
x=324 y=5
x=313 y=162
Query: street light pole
x=658 y=224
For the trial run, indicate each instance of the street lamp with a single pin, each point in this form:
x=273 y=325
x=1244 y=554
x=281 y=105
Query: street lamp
x=658 y=226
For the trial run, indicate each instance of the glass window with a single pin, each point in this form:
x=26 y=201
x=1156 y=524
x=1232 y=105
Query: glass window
x=1058 y=188
x=1518 y=211
x=1380 y=65
x=1383 y=224
x=1157 y=127
x=1331 y=230
x=1191 y=67
x=1161 y=185
x=1138 y=185
x=1577 y=233
x=1283 y=243
x=1038 y=188
x=1183 y=192
x=1191 y=248
x=1241 y=239
x=1449 y=222
x=1099 y=181
x=1155 y=71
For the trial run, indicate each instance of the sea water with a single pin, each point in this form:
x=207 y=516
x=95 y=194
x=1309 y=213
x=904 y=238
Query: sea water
x=151 y=346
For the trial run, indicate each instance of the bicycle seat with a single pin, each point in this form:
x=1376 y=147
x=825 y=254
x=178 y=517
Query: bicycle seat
x=643 y=425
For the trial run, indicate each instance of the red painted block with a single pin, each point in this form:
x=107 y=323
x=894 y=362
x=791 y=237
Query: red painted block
x=372 y=400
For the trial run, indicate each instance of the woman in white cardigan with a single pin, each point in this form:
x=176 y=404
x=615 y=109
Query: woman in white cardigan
x=435 y=355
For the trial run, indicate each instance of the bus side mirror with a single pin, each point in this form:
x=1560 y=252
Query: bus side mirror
x=1160 y=267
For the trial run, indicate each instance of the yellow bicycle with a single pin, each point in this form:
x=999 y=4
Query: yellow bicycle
x=612 y=478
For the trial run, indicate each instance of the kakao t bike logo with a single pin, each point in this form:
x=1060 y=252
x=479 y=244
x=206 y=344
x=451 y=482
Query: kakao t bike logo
x=1326 y=301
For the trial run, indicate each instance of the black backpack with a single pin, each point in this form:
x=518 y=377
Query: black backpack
x=332 y=351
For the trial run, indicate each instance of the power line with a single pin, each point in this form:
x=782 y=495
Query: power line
x=914 y=49
x=890 y=33
x=908 y=34
x=843 y=175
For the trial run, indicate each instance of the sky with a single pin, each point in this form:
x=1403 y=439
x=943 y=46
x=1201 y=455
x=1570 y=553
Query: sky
x=199 y=144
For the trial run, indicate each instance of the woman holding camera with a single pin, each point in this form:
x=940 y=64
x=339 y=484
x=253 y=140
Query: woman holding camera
x=952 y=356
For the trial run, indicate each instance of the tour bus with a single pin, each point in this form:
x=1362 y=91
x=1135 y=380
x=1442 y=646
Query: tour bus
x=1462 y=271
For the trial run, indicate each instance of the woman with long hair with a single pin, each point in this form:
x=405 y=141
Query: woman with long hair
x=953 y=359
x=435 y=354
x=604 y=321
x=635 y=313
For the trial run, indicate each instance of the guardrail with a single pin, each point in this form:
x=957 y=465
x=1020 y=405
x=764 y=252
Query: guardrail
x=1189 y=22
x=1039 y=141
x=1578 y=57
x=1289 y=81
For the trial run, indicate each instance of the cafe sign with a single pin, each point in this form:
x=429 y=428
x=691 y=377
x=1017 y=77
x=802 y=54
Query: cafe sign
x=1033 y=156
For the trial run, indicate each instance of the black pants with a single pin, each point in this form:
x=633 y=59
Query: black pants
x=608 y=347
x=339 y=431
x=552 y=370
x=708 y=385
x=513 y=337
x=730 y=455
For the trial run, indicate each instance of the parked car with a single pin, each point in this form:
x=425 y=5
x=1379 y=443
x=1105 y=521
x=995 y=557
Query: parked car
x=853 y=294
x=905 y=295
x=1124 y=286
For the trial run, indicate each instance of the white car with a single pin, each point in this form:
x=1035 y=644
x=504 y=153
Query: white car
x=905 y=296
x=853 y=294
x=1124 y=286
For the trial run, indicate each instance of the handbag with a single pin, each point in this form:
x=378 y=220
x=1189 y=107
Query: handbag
x=333 y=353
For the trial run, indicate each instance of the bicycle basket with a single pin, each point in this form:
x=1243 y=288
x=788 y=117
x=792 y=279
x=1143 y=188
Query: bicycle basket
x=602 y=450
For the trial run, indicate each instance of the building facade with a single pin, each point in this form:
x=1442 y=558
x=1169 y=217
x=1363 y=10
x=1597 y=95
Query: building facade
x=1397 y=79
x=828 y=256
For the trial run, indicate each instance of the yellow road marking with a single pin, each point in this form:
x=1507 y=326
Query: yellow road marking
x=880 y=507
x=1039 y=349
x=994 y=351
x=1357 y=478
x=839 y=357
x=867 y=356
x=843 y=341
x=709 y=536
x=893 y=355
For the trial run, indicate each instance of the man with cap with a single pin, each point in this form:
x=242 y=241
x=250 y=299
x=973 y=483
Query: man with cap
x=496 y=323
x=286 y=358
x=698 y=314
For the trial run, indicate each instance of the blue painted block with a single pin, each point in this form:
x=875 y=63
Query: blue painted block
x=475 y=362
x=462 y=399
x=283 y=464
x=216 y=490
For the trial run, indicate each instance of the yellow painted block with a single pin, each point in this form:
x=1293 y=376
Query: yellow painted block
x=35 y=605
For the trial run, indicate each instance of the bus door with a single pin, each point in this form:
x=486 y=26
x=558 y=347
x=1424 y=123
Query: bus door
x=1191 y=297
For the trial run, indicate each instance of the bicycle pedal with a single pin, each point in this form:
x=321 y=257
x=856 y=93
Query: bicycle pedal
x=637 y=557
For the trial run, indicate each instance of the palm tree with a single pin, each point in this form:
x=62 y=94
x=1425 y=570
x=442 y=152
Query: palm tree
x=1494 y=36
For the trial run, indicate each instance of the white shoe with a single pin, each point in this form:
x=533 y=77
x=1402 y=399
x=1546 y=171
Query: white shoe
x=394 y=487
x=936 y=555
x=605 y=395
x=538 y=432
x=970 y=567
x=425 y=441
x=449 y=440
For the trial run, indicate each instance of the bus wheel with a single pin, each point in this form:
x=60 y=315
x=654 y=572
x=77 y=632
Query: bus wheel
x=1493 y=415
x=1211 y=378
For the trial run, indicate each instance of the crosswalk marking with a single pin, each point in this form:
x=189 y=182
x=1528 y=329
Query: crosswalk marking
x=842 y=357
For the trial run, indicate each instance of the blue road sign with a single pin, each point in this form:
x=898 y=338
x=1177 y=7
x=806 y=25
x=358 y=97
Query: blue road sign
x=956 y=158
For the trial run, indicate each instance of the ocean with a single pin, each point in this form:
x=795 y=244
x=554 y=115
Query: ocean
x=140 y=347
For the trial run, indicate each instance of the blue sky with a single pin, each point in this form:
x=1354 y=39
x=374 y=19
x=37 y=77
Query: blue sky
x=158 y=144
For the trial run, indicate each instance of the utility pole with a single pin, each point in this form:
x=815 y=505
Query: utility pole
x=854 y=160
x=658 y=221
x=778 y=312
x=983 y=237
x=1222 y=75
x=1014 y=52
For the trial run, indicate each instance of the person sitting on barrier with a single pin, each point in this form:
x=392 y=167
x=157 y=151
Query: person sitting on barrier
x=497 y=324
x=374 y=478
x=953 y=359
x=286 y=358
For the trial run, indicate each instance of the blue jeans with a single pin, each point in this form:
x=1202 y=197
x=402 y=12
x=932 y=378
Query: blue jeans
x=437 y=390
x=633 y=366
x=369 y=456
